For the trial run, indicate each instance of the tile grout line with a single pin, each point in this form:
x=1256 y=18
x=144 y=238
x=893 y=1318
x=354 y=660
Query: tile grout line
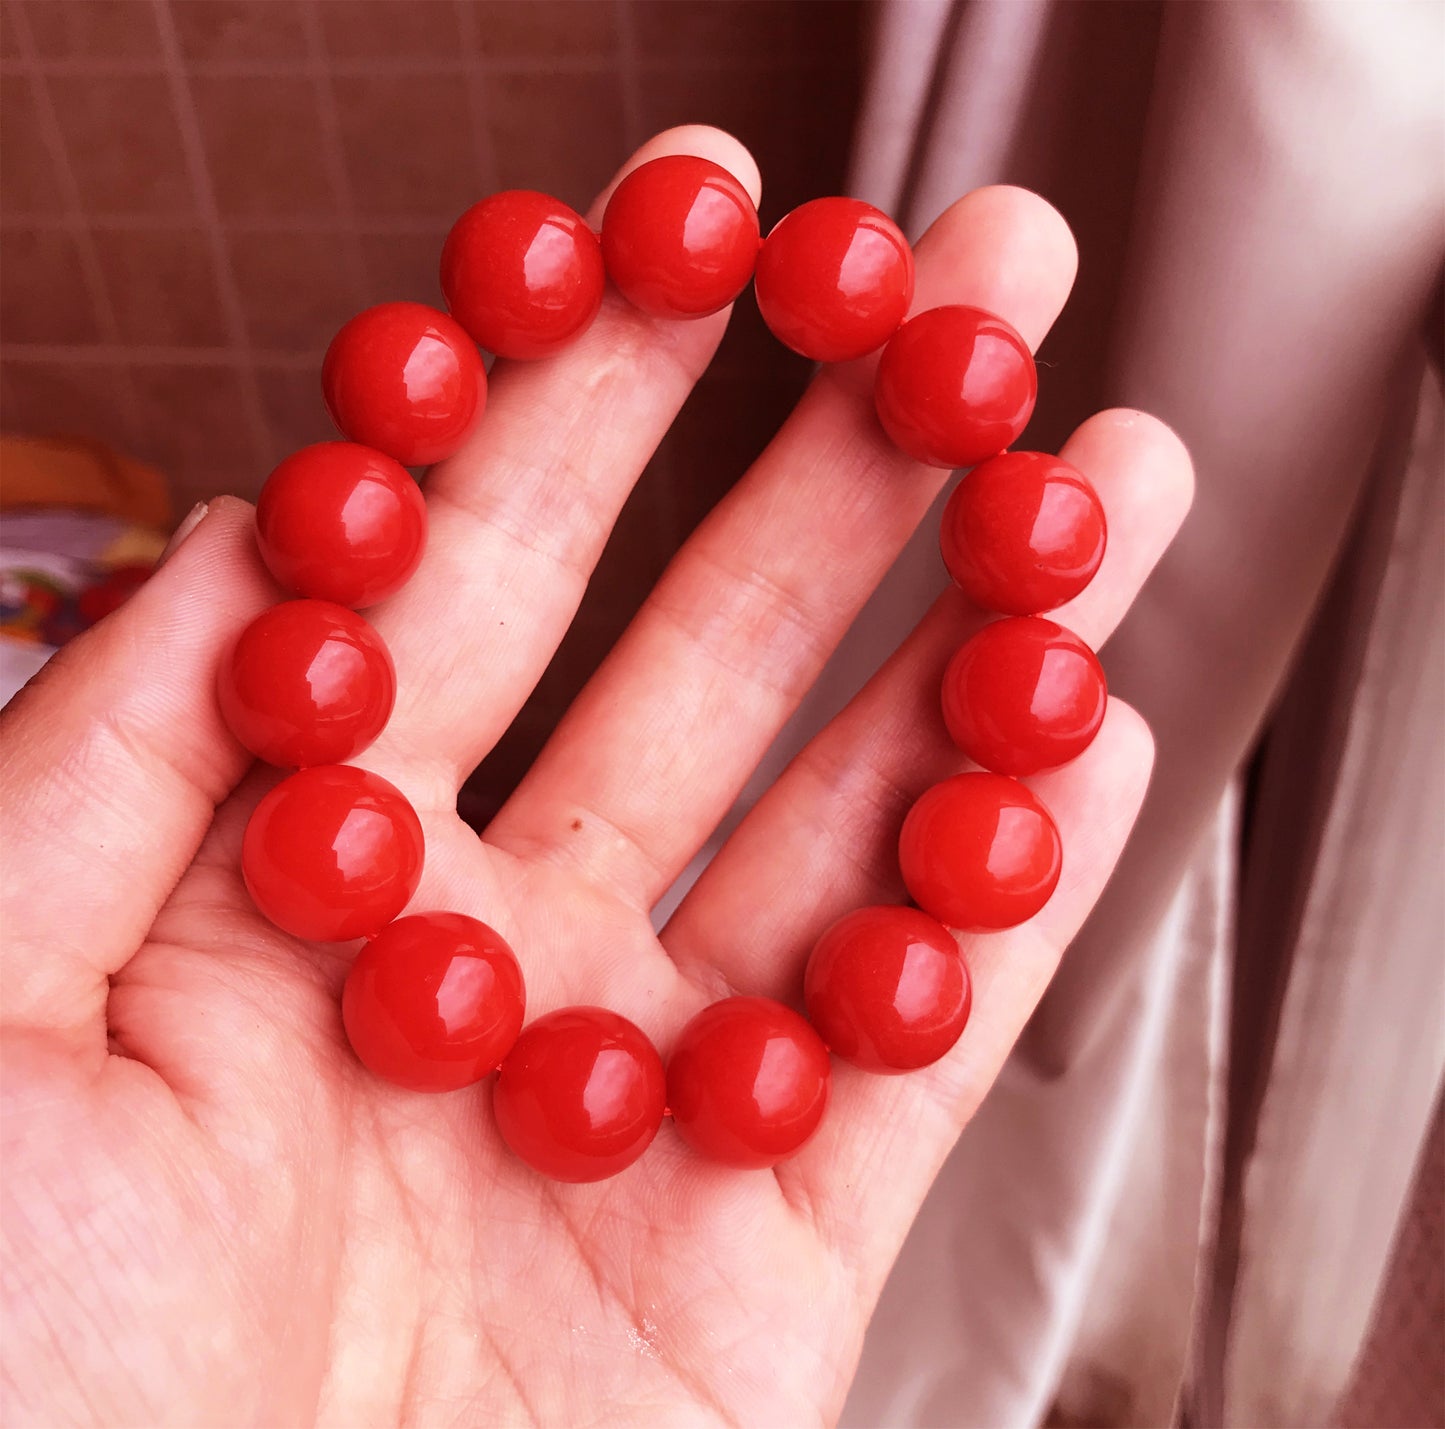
x=194 y=153
x=478 y=101
x=102 y=309
x=333 y=151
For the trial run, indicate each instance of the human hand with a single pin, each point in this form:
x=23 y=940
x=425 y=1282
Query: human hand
x=213 y=1214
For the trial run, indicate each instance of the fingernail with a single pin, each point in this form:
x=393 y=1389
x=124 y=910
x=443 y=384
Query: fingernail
x=194 y=517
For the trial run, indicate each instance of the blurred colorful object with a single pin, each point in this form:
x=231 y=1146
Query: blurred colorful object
x=82 y=528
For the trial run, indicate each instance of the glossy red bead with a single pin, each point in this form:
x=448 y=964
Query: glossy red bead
x=1023 y=533
x=405 y=379
x=680 y=237
x=306 y=682
x=747 y=1082
x=887 y=989
x=342 y=522
x=955 y=386
x=581 y=1095
x=523 y=274
x=834 y=279
x=1023 y=695
x=332 y=853
x=433 y=1002
x=980 y=852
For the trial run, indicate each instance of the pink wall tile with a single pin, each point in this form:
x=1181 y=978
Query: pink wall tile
x=338 y=153
x=404 y=266
x=67 y=399
x=776 y=30
x=294 y=287
x=194 y=426
x=28 y=181
x=561 y=133
x=161 y=286
x=92 y=29
x=390 y=29
x=237 y=30
x=43 y=294
x=524 y=29
x=291 y=399
x=409 y=145
x=9 y=44
x=262 y=136
x=123 y=141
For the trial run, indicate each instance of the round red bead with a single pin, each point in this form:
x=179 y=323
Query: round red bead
x=522 y=273
x=342 y=522
x=887 y=989
x=747 y=1082
x=332 y=853
x=980 y=852
x=680 y=237
x=834 y=279
x=405 y=379
x=1024 y=694
x=581 y=1095
x=955 y=386
x=1023 y=533
x=306 y=682
x=433 y=1002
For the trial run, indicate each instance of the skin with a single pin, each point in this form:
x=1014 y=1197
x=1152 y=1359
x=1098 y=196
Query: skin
x=212 y=1214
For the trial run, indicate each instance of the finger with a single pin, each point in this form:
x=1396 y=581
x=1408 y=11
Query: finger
x=659 y=743
x=519 y=517
x=823 y=839
x=112 y=762
x=864 y=1175
x=1145 y=481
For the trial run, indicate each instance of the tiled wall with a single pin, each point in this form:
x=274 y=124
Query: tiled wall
x=194 y=194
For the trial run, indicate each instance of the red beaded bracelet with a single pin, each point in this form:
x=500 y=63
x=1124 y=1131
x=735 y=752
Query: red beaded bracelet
x=435 y=1001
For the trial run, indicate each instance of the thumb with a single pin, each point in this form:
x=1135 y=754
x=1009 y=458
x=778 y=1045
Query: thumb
x=112 y=761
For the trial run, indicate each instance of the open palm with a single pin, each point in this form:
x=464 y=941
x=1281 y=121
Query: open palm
x=213 y=1214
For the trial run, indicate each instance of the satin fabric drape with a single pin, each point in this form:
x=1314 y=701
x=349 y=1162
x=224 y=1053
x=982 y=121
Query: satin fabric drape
x=1181 y=1199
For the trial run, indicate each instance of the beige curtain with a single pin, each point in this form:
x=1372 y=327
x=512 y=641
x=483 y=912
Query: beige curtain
x=1181 y=1201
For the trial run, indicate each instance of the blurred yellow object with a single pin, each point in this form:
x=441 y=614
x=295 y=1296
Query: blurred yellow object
x=134 y=546
x=81 y=475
